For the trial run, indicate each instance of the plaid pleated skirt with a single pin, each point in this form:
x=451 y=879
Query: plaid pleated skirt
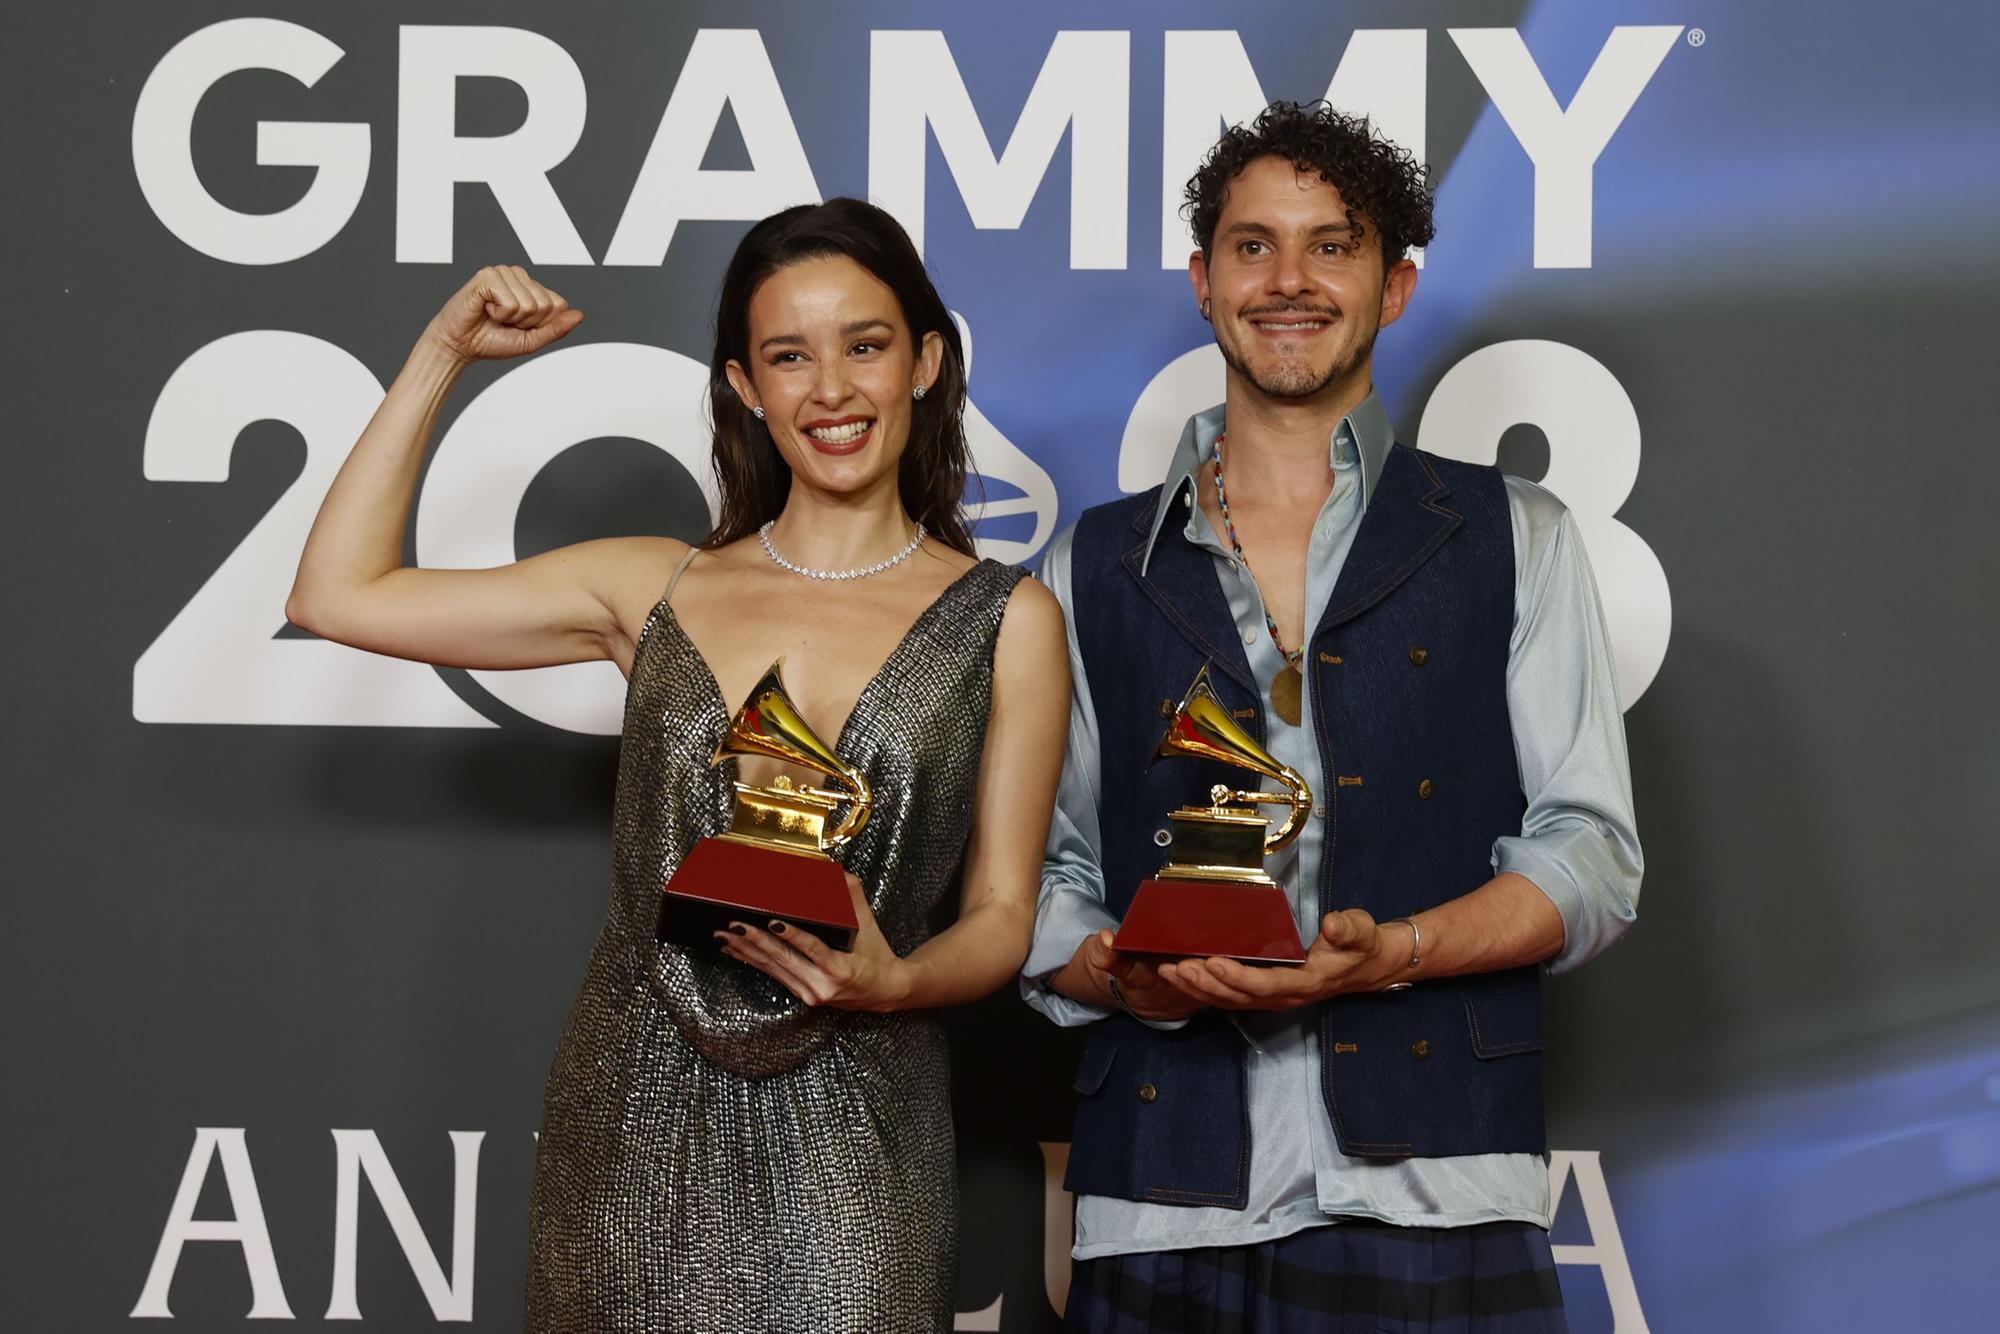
x=1345 y=1278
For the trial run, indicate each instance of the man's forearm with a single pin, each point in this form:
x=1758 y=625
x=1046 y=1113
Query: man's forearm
x=1508 y=922
x=1505 y=923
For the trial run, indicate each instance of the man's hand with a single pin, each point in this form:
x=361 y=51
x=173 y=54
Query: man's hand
x=1093 y=970
x=1350 y=953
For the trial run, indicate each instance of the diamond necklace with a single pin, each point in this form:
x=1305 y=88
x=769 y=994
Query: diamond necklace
x=861 y=572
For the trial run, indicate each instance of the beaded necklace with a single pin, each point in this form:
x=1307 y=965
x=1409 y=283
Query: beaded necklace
x=1287 y=688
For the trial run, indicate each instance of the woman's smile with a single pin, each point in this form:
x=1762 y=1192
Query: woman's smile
x=840 y=435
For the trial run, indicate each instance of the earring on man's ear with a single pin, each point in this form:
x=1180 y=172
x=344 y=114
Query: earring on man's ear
x=1204 y=309
x=919 y=392
x=758 y=413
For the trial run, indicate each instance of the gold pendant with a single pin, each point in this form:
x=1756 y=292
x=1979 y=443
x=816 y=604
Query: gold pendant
x=1286 y=688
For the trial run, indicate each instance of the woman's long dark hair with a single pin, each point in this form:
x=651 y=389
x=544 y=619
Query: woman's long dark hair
x=751 y=474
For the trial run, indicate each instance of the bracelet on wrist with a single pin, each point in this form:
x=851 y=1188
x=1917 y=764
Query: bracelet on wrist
x=1118 y=994
x=1416 y=951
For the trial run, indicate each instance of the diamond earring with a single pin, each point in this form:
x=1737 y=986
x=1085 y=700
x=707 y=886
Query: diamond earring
x=758 y=413
x=919 y=391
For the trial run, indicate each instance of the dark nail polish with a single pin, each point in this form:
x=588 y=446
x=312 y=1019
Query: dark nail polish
x=738 y=929
x=777 y=927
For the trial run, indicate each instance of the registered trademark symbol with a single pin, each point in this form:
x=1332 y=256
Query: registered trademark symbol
x=1696 y=37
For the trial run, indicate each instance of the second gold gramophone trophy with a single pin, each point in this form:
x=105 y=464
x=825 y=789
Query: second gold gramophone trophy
x=1213 y=897
x=772 y=862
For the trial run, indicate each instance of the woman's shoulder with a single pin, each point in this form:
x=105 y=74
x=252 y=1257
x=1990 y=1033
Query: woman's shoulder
x=633 y=572
x=1031 y=623
x=640 y=561
x=983 y=577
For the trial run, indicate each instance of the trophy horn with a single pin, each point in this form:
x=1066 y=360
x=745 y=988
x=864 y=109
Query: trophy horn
x=769 y=724
x=1202 y=728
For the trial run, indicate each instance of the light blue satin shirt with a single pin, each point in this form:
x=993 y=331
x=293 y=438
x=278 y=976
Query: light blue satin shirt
x=1578 y=842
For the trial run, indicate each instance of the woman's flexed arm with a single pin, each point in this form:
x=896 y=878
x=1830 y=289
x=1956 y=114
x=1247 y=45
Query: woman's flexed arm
x=352 y=585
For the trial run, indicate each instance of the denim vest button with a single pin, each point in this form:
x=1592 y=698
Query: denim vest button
x=1148 y=1093
x=1421 y=1049
x=1419 y=656
x=1426 y=789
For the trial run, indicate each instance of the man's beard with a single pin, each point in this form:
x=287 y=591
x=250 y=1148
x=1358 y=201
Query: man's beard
x=1291 y=378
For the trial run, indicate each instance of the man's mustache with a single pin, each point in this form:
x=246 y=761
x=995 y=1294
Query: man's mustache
x=1313 y=312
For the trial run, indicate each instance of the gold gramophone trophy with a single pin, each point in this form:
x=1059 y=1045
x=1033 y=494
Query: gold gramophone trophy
x=1212 y=897
x=773 y=862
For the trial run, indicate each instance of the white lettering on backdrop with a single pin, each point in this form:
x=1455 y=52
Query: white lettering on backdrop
x=216 y=660
x=163 y=152
x=1081 y=92
x=245 y=1227
x=217 y=663
x=432 y=157
x=358 y=1155
x=1083 y=88
x=916 y=90
x=1564 y=144
x=727 y=67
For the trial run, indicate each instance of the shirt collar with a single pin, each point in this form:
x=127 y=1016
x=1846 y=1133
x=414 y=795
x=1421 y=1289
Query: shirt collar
x=1366 y=430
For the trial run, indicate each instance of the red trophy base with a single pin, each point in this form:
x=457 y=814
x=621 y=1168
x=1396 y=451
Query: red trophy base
x=722 y=881
x=1250 y=923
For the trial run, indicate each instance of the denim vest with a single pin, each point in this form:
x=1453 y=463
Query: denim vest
x=1407 y=670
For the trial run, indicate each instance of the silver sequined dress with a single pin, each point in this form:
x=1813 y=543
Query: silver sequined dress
x=715 y=1156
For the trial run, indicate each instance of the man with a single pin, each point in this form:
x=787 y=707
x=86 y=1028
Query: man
x=1291 y=1147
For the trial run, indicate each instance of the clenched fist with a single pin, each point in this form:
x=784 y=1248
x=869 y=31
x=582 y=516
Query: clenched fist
x=501 y=313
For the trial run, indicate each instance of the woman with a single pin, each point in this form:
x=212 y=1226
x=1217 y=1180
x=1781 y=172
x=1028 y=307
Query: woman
x=758 y=1141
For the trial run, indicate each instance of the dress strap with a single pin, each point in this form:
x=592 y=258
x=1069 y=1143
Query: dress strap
x=679 y=570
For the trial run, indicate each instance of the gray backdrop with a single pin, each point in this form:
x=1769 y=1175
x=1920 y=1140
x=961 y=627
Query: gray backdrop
x=292 y=930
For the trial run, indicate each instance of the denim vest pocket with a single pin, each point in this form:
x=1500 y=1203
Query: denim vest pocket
x=1098 y=1054
x=1505 y=1023
x=1171 y=1128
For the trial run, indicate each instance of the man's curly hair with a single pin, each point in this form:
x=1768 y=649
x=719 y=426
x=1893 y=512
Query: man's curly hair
x=1377 y=180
